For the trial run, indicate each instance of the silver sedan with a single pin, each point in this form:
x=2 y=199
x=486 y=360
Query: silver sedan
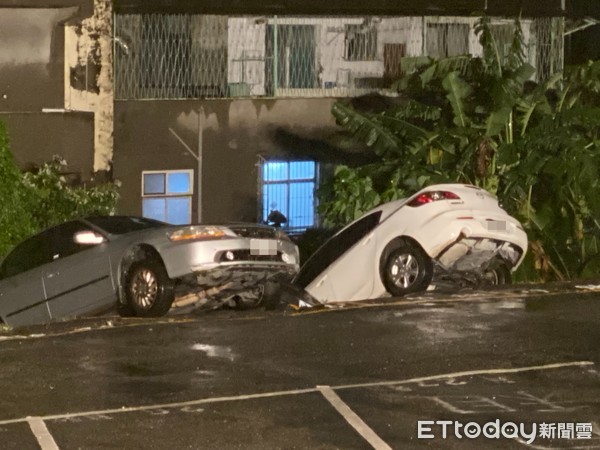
x=139 y=265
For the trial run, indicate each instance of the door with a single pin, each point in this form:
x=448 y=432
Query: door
x=22 y=296
x=79 y=280
x=392 y=57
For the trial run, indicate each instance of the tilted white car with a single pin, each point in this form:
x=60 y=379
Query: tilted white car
x=395 y=248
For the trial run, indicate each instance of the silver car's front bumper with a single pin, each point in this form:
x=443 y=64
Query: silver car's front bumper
x=208 y=259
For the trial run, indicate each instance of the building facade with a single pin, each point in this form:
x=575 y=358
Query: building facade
x=213 y=115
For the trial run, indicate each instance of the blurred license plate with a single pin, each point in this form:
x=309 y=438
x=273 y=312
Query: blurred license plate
x=496 y=225
x=263 y=247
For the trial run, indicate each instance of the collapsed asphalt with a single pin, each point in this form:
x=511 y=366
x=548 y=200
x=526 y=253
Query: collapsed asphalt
x=356 y=377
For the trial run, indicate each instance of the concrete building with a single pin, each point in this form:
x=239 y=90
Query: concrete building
x=220 y=111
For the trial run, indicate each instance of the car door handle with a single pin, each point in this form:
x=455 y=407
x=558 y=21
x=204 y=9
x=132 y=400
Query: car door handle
x=52 y=274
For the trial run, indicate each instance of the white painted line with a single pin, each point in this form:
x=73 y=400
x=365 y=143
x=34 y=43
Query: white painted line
x=353 y=419
x=41 y=433
x=469 y=373
x=306 y=391
x=202 y=401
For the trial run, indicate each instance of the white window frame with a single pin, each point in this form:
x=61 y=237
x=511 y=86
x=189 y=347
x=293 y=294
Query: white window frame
x=166 y=194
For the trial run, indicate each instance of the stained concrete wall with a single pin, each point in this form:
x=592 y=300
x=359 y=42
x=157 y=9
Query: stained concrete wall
x=38 y=43
x=38 y=137
x=235 y=133
x=31 y=59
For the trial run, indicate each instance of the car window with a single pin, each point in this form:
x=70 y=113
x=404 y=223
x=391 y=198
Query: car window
x=124 y=224
x=28 y=255
x=63 y=243
x=335 y=247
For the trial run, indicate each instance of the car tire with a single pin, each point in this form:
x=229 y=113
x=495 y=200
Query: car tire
x=148 y=289
x=406 y=269
x=497 y=273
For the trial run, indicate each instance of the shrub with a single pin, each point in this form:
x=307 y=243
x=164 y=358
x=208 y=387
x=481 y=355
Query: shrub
x=15 y=217
x=38 y=199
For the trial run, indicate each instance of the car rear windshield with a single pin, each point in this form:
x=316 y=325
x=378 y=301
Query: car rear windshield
x=334 y=248
x=124 y=224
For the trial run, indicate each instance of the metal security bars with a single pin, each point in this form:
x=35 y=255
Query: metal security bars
x=160 y=56
x=289 y=188
x=170 y=56
x=549 y=46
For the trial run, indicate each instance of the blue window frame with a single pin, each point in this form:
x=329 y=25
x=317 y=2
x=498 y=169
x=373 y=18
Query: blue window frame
x=167 y=195
x=289 y=187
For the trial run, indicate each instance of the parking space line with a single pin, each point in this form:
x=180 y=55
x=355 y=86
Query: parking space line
x=353 y=419
x=125 y=409
x=467 y=373
x=41 y=433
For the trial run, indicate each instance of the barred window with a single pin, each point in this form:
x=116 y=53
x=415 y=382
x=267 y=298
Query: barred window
x=289 y=187
x=447 y=39
x=361 y=42
x=167 y=196
x=503 y=35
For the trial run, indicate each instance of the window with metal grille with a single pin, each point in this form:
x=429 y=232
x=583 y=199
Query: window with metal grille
x=361 y=42
x=289 y=187
x=290 y=57
x=503 y=35
x=447 y=39
x=167 y=195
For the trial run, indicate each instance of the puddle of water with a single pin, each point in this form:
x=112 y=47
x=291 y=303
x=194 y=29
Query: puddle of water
x=215 y=351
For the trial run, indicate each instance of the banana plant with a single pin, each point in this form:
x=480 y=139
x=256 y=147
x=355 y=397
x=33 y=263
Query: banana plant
x=482 y=120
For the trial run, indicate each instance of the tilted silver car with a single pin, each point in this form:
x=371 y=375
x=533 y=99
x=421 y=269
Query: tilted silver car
x=90 y=265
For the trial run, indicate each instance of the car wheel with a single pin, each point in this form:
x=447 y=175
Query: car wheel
x=497 y=273
x=406 y=269
x=149 y=290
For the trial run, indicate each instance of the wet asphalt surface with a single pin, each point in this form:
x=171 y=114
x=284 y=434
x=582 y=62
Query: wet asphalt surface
x=353 y=378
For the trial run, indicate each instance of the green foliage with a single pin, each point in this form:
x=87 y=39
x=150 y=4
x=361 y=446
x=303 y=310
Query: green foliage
x=55 y=200
x=355 y=192
x=36 y=200
x=482 y=121
x=15 y=218
x=458 y=91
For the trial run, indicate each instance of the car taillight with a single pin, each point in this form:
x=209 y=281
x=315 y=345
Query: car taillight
x=433 y=196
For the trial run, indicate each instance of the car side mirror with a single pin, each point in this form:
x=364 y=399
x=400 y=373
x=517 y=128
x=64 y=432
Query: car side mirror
x=88 y=238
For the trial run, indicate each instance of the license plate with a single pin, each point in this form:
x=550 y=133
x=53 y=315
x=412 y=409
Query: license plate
x=496 y=225
x=263 y=247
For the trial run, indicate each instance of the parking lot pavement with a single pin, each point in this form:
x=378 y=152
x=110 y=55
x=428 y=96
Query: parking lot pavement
x=399 y=375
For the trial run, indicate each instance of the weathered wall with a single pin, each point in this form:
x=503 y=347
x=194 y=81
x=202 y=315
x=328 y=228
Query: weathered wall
x=88 y=76
x=38 y=137
x=235 y=133
x=31 y=59
x=45 y=47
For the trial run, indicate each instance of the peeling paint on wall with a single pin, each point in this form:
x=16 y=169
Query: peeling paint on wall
x=88 y=77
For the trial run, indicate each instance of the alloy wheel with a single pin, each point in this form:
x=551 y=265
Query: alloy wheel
x=404 y=270
x=144 y=288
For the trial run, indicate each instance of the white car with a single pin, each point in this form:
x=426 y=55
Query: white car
x=448 y=228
